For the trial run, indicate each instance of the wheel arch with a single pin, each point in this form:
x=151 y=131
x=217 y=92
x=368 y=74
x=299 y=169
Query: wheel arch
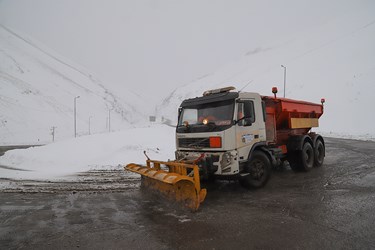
x=262 y=146
x=295 y=143
x=316 y=137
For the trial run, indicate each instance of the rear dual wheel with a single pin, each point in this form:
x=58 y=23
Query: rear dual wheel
x=319 y=153
x=302 y=160
x=308 y=157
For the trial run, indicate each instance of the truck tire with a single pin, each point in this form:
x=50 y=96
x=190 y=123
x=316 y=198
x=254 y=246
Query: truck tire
x=319 y=153
x=307 y=157
x=258 y=169
x=302 y=160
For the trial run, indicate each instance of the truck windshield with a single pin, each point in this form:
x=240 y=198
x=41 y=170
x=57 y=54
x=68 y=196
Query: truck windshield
x=217 y=113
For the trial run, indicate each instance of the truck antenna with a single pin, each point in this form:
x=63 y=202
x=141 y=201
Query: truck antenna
x=247 y=84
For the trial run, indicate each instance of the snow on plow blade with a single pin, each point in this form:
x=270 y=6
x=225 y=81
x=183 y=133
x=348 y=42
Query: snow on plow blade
x=178 y=181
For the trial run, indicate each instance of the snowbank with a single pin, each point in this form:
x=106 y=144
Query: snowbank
x=58 y=161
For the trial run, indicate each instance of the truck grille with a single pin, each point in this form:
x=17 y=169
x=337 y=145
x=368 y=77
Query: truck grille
x=194 y=142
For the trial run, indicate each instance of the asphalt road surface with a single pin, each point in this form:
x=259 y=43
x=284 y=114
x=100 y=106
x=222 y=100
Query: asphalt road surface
x=332 y=207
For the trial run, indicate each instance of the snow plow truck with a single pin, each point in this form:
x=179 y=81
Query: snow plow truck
x=227 y=134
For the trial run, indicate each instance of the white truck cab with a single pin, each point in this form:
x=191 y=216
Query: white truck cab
x=222 y=125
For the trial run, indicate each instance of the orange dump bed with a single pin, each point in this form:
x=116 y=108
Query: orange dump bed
x=285 y=117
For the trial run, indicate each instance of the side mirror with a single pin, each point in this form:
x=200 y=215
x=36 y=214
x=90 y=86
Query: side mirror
x=179 y=113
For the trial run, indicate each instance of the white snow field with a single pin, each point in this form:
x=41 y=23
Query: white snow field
x=63 y=159
x=37 y=91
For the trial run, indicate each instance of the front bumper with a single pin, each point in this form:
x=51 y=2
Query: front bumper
x=217 y=163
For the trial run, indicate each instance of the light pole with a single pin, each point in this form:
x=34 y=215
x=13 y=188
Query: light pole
x=90 y=125
x=75 y=116
x=53 y=133
x=109 y=120
x=284 y=77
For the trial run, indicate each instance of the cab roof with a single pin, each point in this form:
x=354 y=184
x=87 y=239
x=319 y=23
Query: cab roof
x=217 y=97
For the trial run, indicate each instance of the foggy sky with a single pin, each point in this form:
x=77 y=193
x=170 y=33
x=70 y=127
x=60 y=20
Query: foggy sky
x=153 y=46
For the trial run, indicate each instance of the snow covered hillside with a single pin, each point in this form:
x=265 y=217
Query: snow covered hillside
x=37 y=91
x=334 y=60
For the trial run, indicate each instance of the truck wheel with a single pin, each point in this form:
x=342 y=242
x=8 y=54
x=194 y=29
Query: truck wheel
x=319 y=153
x=307 y=156
x=302 y=160
x=258 y=169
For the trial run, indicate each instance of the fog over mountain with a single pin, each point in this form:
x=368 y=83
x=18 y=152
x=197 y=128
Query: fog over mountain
x=334 y=60
x=154 y=46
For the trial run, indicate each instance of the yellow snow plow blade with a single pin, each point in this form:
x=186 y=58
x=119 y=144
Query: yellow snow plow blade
x=174 y=181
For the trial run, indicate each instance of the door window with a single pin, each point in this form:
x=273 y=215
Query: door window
x=245 y=113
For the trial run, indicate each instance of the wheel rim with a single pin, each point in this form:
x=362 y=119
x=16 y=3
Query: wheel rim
x=308 y=156
x=257 y=169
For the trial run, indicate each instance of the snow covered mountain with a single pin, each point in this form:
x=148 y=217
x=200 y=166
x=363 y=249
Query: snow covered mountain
x=37 y=92
x=334 y=61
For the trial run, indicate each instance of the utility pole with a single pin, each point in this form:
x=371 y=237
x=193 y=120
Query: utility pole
x=284 y=78
x=75 y=116
x=53 y=133
x=109 y=120
x=90 y=125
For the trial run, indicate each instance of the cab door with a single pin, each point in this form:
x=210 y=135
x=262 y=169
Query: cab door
x=247 y=130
